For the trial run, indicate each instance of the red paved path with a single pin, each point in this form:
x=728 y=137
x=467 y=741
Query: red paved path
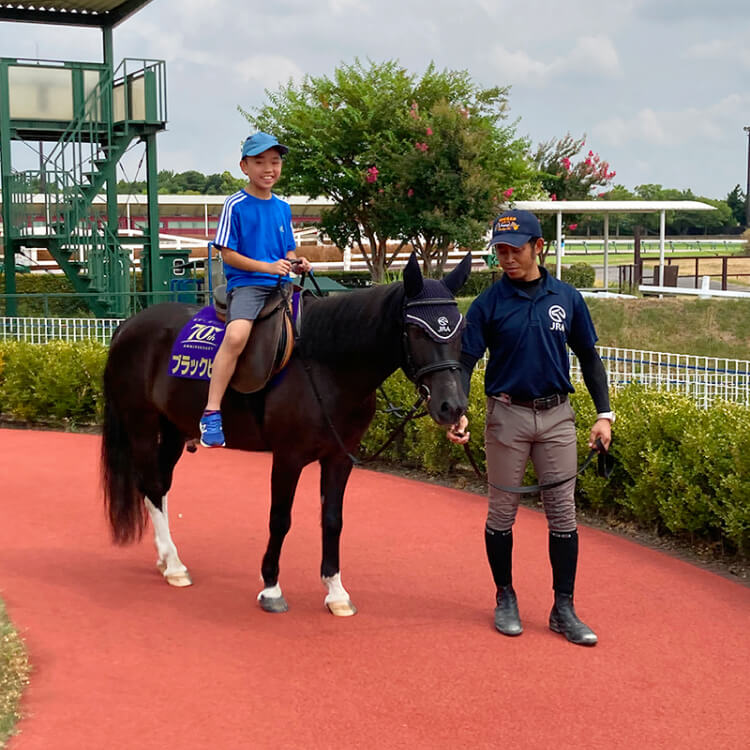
x=121 y=660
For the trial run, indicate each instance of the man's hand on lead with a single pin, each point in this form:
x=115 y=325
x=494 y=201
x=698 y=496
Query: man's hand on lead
x=458 y=432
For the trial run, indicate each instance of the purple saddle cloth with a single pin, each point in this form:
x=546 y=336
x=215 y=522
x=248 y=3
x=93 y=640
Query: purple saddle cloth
x=196 y=345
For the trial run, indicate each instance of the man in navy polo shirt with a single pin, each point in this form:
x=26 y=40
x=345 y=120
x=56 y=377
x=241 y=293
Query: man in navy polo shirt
x=527 y=320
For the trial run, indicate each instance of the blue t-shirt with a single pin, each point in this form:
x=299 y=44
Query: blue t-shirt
x=527 y=337
x=259 y=229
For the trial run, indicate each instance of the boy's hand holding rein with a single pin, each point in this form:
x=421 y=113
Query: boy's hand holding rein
x=301 y=265
x=280 y=267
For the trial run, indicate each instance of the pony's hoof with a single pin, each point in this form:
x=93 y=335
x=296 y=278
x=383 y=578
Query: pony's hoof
x=180 y=580
x=342 y=609
x=274 y=605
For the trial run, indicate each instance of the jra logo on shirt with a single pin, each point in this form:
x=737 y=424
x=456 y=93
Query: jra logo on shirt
x=557 y=316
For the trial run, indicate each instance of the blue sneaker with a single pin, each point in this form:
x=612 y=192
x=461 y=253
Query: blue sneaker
x=212 y=434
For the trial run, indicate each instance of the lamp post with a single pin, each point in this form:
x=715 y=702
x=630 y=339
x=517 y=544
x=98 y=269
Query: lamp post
x=747 y=191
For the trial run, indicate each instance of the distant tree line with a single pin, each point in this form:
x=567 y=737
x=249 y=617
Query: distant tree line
x=191 y=182
x=729 y=216
x=427 y=160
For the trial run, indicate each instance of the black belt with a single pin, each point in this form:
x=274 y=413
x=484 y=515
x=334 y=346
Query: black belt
x=538 y=404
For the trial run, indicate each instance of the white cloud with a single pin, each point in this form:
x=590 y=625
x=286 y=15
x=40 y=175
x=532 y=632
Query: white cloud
x=722 y=50
x=654 y=74
x=593 y=52
x=268 y=70
x=675 y=128
x=344 y=6
x=591 y=55
x=682 y=11
x=519 y=67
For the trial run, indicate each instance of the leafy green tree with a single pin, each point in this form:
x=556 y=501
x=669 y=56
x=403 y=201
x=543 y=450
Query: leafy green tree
x=737 y=202
x=229 y=184
x=463 y=160
x=685 y=222
x=618 y=223
x=166 y=181
x=379 y=142
x=191 y=181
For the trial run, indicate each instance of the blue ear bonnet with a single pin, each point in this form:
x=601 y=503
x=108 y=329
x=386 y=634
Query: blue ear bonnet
x=435 y=311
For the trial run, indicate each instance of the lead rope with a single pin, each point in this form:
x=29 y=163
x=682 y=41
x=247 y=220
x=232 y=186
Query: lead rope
x=411 y=414
x=605 y=469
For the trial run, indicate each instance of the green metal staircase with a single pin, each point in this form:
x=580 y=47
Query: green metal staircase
x=122 y=107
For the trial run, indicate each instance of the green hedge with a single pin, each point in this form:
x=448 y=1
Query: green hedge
x=477 y=282
x=54 y=381
x=679 y=468
x=57 y=307
x=581 y=275
x=61 y=300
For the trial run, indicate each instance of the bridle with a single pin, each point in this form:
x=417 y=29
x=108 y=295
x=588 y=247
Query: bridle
x=414 y=373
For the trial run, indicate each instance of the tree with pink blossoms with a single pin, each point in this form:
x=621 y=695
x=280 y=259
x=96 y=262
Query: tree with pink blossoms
x=569 y=171
x=406 y=159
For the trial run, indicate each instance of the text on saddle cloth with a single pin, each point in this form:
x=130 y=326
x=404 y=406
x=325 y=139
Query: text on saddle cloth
x=196 y=345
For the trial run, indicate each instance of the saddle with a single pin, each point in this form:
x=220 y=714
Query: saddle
x=270 y=344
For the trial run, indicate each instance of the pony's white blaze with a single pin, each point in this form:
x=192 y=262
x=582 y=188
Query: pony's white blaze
x=272 y=592
x=168 y=560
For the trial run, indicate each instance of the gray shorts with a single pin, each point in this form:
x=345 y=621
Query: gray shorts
x=246 y=302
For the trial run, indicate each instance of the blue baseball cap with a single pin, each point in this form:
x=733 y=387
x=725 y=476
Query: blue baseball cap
x=260 y=142
x=515 y=228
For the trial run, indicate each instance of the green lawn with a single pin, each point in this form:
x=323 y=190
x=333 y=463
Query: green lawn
x=13 y=675
x=626 y=258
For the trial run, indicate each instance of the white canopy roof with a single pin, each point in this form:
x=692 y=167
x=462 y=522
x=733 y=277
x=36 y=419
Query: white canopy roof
x=606 y=208
x=610 y=207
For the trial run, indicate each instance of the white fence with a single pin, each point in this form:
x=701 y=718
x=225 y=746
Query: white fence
x=704 y=379
x=42 y=330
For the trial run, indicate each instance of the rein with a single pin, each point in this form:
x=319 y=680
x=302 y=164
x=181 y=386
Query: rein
x=414 y=374
x=605 y=466
x=422 y=396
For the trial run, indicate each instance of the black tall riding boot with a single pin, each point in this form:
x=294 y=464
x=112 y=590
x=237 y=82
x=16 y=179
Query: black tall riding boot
x=499 y=546
x=563 y=555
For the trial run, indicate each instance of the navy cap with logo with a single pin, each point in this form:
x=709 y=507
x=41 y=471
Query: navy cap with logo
x=515 y=228
x=260 y=142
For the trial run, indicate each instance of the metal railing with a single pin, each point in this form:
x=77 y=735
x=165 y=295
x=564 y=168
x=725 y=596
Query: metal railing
x=704 y=379
x=624 y=245
x=43 y=330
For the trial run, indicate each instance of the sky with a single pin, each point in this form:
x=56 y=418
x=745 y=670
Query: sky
x=659 y=87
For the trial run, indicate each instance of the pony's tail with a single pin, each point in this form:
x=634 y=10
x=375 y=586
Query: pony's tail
x=123 y=501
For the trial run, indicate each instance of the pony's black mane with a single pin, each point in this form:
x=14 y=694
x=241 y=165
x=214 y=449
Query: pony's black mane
x=364 y=321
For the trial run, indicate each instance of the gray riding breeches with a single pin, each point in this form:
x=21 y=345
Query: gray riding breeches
x=513 y=434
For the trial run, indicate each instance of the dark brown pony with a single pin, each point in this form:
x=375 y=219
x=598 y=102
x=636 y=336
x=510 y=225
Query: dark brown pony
x=322 y=404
